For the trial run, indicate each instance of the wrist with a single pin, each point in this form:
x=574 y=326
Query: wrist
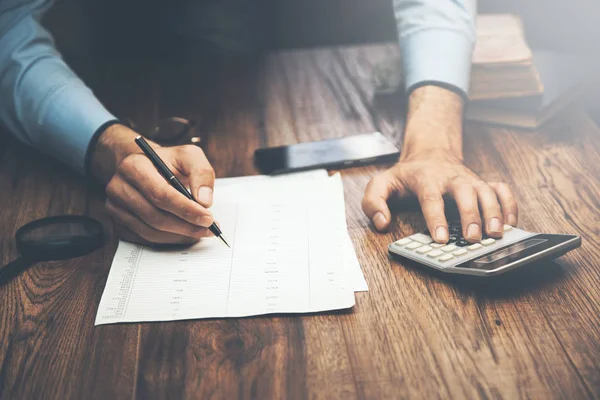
x=113 y=145
x=434 y=123
x=432 y=155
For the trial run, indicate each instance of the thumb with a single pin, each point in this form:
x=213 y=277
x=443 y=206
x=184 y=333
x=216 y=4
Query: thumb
x=192 y=163
x=374 y=203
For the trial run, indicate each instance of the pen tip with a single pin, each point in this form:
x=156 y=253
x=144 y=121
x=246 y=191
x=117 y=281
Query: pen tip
x=224 y=241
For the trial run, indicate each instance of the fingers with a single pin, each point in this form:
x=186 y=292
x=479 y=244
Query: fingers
x=482 y=206
x=374 y=203
x=192 y=163
x=507 y=202
x=492 y=213
x=465 y=196
x=432 y=205
x=121 y=194
x=143 y=202
x=139 y=172
x=494 y=201
x=144 y=231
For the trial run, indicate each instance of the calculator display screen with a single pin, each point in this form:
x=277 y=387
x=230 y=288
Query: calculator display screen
x=509 y=251
x=516 y=251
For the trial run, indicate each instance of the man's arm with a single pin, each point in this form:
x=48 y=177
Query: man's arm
x=42 y=101
x=437 y=38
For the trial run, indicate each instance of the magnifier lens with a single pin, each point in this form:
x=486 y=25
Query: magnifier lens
x=55 y=233
x=59 y=237
x=53 y=238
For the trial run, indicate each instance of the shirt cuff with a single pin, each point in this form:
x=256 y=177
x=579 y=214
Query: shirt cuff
x=70 y=120
x=437 y=55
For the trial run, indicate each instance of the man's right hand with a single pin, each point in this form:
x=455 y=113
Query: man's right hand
x=144 y=207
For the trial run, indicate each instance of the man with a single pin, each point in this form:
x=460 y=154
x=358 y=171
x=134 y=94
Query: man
x=44 y=104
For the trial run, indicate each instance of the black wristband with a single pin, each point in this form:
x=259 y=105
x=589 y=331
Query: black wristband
x=87 y=163
x=444 y=85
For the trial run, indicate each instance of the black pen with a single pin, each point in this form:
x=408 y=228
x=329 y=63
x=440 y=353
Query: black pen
x=172 y=179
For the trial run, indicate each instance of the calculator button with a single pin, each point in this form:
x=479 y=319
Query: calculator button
x=460 y=252
x=454 y=230
x=453 y=238
x=448 y=248
x=421 y=238
x=507 y=227
x=403 y=242
x=462 y=243
x=475 y=246
x=446 y=257
x=437 y=245
x=488 y=241
x=424 y=249
x=414 y=245
x=435 y=253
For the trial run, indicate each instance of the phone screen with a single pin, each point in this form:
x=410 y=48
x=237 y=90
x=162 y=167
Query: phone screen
x=334 y=153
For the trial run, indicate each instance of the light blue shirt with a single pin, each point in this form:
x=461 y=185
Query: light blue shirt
x=437 y=39
x=44 y=104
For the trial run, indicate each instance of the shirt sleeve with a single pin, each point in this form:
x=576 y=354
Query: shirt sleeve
x=437 y=39
x=42 y=101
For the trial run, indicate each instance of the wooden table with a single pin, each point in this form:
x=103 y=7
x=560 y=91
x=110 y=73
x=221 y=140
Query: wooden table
x=414 y=334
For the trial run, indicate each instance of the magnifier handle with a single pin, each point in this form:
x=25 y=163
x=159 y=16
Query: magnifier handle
x=13 y=268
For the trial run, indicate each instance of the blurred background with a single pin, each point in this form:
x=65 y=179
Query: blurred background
x=131 y=27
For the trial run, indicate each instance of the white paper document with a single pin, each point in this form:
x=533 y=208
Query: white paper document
x=290 y=253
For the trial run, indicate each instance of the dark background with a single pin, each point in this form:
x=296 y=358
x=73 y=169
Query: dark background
x=82 y=27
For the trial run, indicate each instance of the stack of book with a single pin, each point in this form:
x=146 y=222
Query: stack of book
x=502 y=62
x=513 y=86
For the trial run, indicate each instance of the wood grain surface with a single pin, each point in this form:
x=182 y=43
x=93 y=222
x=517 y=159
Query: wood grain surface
x=416 y=334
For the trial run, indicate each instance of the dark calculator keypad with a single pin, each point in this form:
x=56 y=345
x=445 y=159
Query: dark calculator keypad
x=455 y=229
x=456 y=236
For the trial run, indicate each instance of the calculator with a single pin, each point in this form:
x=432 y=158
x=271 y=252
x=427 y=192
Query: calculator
x=486 y=258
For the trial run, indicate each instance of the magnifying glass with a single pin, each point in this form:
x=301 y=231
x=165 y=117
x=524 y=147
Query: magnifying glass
x=53 y=238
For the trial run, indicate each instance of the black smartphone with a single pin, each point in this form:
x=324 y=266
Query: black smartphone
x=350 y=151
